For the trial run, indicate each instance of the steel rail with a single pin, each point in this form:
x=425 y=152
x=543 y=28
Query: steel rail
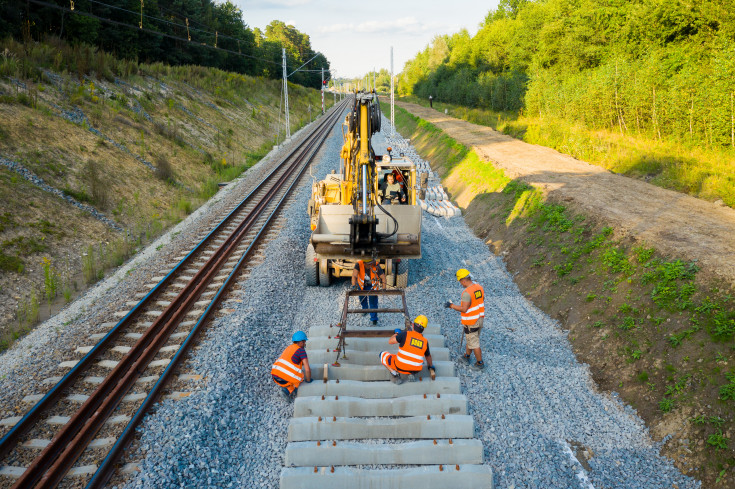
x=11 y=438
x=150 y=343
x=103 y=473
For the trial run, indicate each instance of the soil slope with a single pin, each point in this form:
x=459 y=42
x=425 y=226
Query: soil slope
x=672 y=222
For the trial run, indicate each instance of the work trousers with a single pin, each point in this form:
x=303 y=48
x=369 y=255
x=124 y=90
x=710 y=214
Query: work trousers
x=369 y=302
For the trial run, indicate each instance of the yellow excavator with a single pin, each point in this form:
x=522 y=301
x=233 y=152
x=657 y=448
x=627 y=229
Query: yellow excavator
x=363 y=212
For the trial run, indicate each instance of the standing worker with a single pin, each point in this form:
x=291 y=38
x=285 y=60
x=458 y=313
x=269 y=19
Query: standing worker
x=292 y=367
x=412 y=348
x=431 y=101
x=369 y=276
x=472 y=311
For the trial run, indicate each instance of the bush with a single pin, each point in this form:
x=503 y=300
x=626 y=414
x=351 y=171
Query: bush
x=92 y=175
x=163 y=170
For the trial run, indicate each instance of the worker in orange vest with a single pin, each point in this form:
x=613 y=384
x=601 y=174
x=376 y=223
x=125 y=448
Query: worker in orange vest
x=292 y=367
x=369 y=276
x=413 y=347
x=472 y=312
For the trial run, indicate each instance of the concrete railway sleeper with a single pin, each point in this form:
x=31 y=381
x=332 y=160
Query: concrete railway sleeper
x=174 y=308
x=352 y=427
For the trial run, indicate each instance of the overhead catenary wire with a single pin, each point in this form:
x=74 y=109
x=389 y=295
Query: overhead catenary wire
x=189 y=28
x=186 y=25
x=149 y=31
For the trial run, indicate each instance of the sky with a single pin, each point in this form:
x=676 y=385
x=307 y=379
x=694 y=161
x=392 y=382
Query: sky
x=356 y=37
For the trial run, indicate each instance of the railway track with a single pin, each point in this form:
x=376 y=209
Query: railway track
x=352 y=427
x=76 y=431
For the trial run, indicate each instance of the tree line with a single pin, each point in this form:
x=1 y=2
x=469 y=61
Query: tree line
x=665 y=68
x=175 y=32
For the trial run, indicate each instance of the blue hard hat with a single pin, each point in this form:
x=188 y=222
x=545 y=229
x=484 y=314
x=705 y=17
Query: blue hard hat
x=299 y=336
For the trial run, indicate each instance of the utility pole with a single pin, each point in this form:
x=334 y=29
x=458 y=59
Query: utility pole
x=322 y=89
x=373 y=78
x=285 y=94
x=392 y=100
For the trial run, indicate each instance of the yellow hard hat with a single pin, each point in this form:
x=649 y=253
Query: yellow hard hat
x=421 y=320
x=462 y=273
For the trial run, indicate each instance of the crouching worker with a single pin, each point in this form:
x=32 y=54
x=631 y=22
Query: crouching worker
x=292 y=367
x=412 y=348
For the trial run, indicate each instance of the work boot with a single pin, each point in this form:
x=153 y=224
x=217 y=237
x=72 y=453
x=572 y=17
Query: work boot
x=375 y=322
x=412 y=378
x=285 y=394
x=478 y=366
x=465 y=359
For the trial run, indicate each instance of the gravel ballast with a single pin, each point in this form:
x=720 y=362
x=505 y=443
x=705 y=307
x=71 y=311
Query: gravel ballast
x=534 y=405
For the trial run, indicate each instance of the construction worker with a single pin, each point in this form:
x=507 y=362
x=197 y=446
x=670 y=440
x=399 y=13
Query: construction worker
x=369 y=276
x=412 y=348
x=391 y=192
x=292 y=367
x=472 y=312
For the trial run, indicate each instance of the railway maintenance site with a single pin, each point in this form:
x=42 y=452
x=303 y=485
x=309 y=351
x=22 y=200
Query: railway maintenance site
x=162 y=375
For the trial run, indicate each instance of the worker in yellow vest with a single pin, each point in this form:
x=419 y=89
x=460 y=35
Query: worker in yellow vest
x=369 y=276
x=292 y=367
x=413 y=347
x=472 y=315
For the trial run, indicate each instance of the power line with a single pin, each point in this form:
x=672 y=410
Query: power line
x=149 y=31
x=183 y=26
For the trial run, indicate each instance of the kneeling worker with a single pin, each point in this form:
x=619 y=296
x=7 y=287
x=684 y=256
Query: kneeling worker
x=412 y=348
x=292 y=367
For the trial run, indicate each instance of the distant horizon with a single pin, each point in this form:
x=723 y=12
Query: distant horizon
x=356 y=45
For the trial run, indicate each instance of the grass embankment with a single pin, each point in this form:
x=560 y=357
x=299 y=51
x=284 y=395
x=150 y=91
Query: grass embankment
x=194 y=126
x=653 y=328
x=705 y=173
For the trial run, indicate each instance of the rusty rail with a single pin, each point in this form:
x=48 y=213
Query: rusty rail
x=50 y=467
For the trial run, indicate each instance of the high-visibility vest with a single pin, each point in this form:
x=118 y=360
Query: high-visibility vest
x=285 y=368
x=374 y=277
x=477 y=305
x=410 y=357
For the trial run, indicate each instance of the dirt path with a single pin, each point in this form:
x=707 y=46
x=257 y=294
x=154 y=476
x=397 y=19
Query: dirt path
x=675 y=223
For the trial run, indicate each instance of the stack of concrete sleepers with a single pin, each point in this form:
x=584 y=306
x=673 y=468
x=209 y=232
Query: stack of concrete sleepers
x=437 y=202
x=360 y=430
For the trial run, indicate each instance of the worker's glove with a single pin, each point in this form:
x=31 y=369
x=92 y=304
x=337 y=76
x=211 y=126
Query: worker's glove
x=432 y=368
x=309 y=381
x=397 y=330
x=447 y=305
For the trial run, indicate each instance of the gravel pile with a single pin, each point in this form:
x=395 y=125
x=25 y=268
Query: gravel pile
x=532 y=404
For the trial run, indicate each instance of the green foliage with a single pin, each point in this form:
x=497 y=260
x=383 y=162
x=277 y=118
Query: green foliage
x=91 y=268
x=628 y=323
x=50 y=279
x=616 y=260
x=638 y=69
x=703 y=420
x=10 y=263
x=727 y=392
x=666 y=405
x=717 y=440
x=87 y=42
